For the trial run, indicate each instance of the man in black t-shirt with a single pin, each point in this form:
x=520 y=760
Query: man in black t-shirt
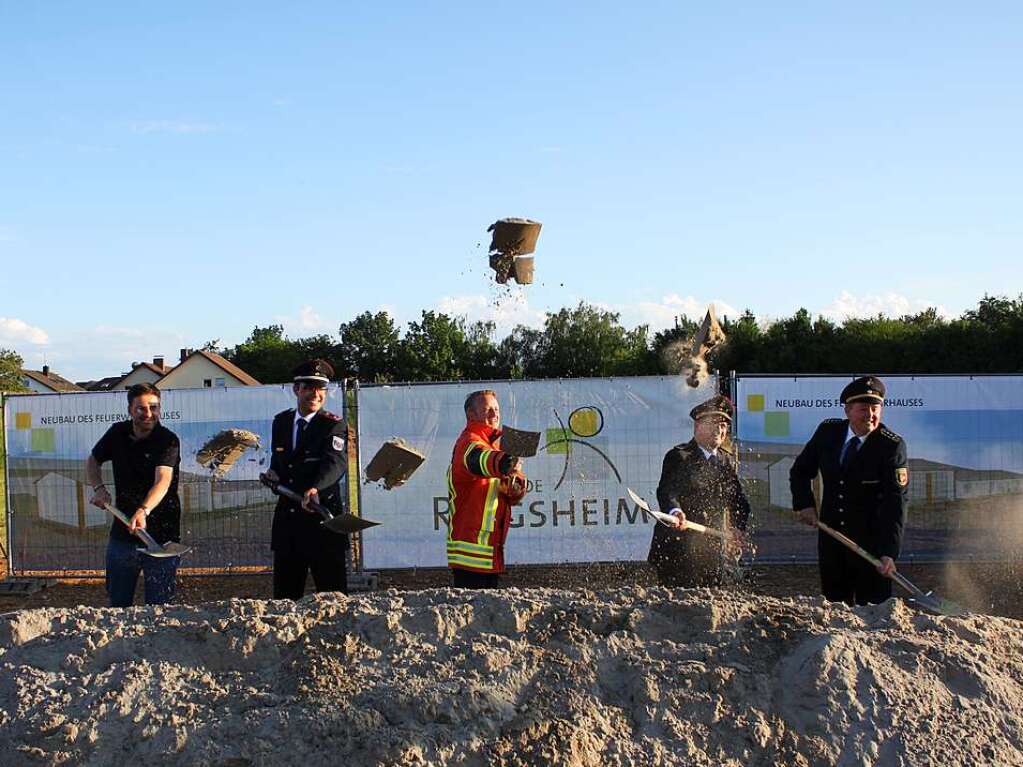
x=145 y=457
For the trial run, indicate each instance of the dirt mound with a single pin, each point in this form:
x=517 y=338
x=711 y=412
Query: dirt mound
x=629 y=676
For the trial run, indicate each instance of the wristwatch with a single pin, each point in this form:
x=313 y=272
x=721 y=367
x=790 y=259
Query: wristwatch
x=146 y=511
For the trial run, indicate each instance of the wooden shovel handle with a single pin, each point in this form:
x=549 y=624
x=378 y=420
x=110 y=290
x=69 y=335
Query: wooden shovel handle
x=851 y=544
x=141 y=532
x=697 y=527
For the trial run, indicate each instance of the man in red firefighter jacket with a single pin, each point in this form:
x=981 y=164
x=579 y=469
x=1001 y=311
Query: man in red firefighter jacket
x=483 y=483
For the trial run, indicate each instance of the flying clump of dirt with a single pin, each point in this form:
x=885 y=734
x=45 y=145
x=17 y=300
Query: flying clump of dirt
x=689 y=357
x=513 y=240
x=223 y=450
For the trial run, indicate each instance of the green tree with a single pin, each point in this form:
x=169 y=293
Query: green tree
x=587 y=341
x=10 y=371
x=481 y=358
x=369 y=347
x=267 y=354
x=433 y=349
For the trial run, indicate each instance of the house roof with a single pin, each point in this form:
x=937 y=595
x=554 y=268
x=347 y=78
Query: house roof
x=101 y=384
x=52 y=380
x=228 y=367
x=158 y=371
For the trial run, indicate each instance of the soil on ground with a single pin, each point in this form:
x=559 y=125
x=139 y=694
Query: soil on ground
x=989 y=588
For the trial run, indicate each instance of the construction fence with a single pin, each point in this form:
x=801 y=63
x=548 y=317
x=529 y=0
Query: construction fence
x=598 y=437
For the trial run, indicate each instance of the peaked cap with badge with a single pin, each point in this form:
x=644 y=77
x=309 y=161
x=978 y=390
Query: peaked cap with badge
x=718 y=405
x=315 y=371
x=864 y=389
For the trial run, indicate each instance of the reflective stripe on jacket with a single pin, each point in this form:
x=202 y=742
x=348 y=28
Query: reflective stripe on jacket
x=478 y=513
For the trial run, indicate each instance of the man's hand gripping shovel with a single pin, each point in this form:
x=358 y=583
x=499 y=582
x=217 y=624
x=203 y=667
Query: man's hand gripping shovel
x=672 y=522
x=336 y=523
x=153 y=549
x=927 y=600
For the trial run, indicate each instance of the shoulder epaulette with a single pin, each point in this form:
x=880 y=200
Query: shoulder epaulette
x=730 y=449
x=330 y=416
x=833 y=420
x=886 y=432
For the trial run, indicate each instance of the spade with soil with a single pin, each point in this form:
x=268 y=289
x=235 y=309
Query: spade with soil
x=152 y=549
x=336 y=523
x=927 y=600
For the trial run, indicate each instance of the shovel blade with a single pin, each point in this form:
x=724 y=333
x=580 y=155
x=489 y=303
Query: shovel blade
x=170 y=549
x=938 y=605
x=348 y=523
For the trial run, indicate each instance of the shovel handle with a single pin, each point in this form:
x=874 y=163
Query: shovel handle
x=140 y=532
x=291 y=495
x=697 y=527
x=851 y=544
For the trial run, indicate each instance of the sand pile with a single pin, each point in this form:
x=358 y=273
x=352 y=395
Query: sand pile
x=633 y=676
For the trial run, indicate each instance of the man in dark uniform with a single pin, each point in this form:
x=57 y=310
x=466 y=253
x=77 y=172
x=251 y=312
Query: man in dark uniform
x=863 y=465
x=699 y=484
x=309 y=456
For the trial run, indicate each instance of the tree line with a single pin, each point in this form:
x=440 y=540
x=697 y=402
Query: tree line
x=590 y=341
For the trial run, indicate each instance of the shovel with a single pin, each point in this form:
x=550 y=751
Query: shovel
x=340 y=523
x=153 y=549
x=927 y=600
x=670 y=521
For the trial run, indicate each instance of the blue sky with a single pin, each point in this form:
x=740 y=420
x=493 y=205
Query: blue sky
x=175 y=174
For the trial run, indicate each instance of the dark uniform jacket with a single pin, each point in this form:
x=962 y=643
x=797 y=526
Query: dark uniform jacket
x=868 y=501
x=707 y=492
x=319 y=460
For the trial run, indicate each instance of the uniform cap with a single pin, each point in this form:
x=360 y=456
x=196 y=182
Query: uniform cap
x=864 y=389
x=313 y=371
x=719 y=405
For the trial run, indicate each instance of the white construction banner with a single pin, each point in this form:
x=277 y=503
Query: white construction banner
x=598 y=437
x=964 y=437
x=225 y=517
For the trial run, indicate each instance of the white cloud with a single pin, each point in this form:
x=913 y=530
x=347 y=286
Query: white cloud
x=15 y=331
x=848 y=306
x=661 y=314
x=309 y=319
x=107 y=350
x=173 y=126
x=507 y=310
x=308 y=322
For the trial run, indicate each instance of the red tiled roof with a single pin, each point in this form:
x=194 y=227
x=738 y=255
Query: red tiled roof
x=52 y=381
x=223 y=364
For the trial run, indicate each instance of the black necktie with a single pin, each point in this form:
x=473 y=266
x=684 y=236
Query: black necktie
x=302 y=423
x=850 y=450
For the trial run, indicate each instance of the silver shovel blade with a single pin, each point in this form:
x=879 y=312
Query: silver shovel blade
x=170 y=549
x=938 y=605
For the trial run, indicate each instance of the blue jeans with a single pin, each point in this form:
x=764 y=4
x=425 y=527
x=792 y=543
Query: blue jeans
x=124 y=561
